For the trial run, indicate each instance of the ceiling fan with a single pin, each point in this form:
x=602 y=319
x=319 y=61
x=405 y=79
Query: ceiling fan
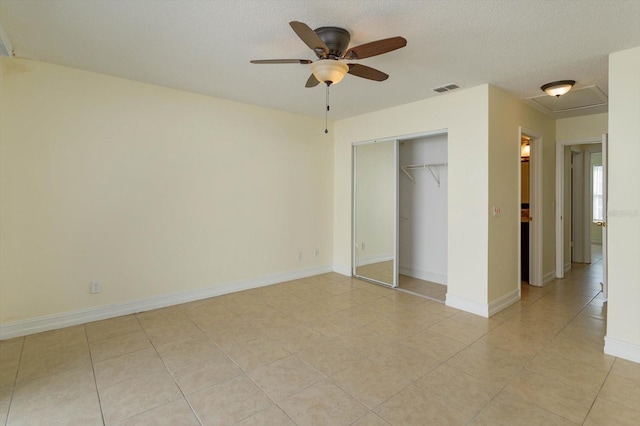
x=330 y=45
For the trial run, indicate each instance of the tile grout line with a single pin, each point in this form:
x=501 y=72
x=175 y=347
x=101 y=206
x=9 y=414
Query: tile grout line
x=541 y=350
x=556 y=300
x=15 y=381
x=523 y=367
x=168 y=371
x=243 y=372
x=93 y=371
x=290 y=354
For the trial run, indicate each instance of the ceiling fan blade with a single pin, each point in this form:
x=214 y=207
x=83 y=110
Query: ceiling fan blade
x=281 y=61
x=312 y=81
x=375 y=48
x=367 y=72
x=310 y=37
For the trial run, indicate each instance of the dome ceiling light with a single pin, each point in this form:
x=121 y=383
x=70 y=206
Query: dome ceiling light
x=558 y=88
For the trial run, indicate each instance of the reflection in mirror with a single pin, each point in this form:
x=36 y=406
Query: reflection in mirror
x=375 y=211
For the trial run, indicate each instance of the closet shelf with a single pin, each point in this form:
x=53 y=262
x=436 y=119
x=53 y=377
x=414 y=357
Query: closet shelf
x=434 y=168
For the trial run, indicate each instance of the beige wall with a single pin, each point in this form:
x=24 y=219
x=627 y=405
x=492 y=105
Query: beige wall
x=623 y=319
x=149 y=190
x=506 y=115
x=484 y=158
x=584 y=127
x=464 y=115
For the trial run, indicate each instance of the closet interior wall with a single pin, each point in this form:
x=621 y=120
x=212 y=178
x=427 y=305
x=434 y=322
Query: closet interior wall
x=423 y=209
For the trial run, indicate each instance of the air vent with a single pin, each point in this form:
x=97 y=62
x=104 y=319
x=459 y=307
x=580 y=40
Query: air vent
x=446 y=88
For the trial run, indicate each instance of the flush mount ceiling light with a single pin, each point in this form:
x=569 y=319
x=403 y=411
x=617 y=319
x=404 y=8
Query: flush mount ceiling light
x=558 y=88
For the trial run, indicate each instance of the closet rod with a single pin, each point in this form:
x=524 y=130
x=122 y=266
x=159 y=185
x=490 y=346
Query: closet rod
x=424 y=166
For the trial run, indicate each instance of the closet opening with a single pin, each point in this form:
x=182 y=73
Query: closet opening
x=400 y=225
x=422 y=227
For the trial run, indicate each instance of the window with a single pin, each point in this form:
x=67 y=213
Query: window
x=598 y=208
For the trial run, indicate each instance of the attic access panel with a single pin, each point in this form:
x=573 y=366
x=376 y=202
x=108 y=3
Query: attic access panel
x=575 y=100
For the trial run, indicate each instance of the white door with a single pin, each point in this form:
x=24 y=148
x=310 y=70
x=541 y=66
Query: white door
x=605 y=290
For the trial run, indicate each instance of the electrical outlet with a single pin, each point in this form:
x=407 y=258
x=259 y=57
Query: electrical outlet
x=299 y=255
x=96 y=287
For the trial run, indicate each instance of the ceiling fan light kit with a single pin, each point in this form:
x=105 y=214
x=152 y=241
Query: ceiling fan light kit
x=558 y=88
x=331 y=46
x=329 y=71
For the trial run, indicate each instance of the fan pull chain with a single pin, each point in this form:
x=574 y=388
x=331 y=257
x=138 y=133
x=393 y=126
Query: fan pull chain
x=326 y=113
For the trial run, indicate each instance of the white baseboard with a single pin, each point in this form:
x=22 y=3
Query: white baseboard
x=504 y=302
x=82 y=316
x=342 y=269
x=483 y=309
x=548 y=277
x=467 y=305
x=423 y=275
x=622 y=349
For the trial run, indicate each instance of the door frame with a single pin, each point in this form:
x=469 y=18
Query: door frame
x=560 y=243
x=535 y=205
x=578 y=210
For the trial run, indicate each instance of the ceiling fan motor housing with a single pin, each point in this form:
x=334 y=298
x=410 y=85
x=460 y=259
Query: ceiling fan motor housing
x=337 y=40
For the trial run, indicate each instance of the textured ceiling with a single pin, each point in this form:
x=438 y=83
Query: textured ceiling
x=205 y=46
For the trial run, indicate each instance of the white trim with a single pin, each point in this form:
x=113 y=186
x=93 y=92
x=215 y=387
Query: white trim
x=605 y=201
x=504 y=302
x=424 y=275
x=82 y=316
x=548 y=277
x=483 y=309
x=622 y=349
x=396 y=214
x=342 y=270
x=535 y=205
x=577 y=205
x=354 y=206
x=404 y=137
x=467 y=305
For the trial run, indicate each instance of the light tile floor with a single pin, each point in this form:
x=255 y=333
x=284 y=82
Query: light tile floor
x=383 y=272
x=329 y=350
x=428 y=289
x=379 y=271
